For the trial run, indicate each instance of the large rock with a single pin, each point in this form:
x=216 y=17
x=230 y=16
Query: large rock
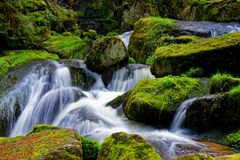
x=156 y=100
x=126 y=146
x=50 y=144
x=107 y=52
x=205 y=54
x=213 y=10
x=217 y=112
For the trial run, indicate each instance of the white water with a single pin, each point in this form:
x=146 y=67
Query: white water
x=125 y=38
x=180 y=115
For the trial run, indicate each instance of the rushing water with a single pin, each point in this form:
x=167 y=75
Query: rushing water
x=209 y=29
x=125 y=38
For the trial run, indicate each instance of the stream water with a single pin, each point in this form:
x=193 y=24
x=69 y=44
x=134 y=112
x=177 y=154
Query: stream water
x=46 y=95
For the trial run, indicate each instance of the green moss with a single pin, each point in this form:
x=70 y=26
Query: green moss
x=57 y=144
x=230 y=157
x=220 y=83
x=43 y=127
x=131 y=60
x=17 y=58
x=66 y=46
x=146 y=35
x=156 y=100
x=90 y=148
x=124 y=146
x=206 y=54
x=193 y=72
x=199 y=156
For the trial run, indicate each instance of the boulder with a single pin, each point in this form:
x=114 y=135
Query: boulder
x=107 y=52
x=155 y=100
x=206 y=54
x=204 y=10
x=126 y=146
x=215 y=112
x=50 y=144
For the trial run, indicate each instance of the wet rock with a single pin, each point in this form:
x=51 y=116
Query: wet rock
x=126 y=146
x=107 y=52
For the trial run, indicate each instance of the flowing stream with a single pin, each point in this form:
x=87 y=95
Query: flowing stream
x=46 y=96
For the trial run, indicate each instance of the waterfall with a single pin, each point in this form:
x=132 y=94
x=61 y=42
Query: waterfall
x=180 y=115
x=125 y=37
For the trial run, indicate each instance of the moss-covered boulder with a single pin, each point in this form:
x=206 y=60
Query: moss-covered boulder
x=126 y=146
x=107 y=52
x=221 y=83
x=57 y=144
x=16 y=58
x=205 y=54
x=67 y=46
x=217 y=112
x=156 y=100
x=25 y=23
x=213 y=10
x=199 y=156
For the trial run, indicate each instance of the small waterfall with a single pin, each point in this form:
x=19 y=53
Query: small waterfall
x=209 y=29
x=180 y=115
x=125 y=37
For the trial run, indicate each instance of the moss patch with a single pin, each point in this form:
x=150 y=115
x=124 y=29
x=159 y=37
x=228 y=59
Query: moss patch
x=199 y=156
x=156 y=100
x=17 y=58
x=43 y=127
x=67 y=46
x=124 y=146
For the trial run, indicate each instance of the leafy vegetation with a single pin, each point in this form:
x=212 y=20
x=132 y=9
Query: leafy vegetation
x=90 y=148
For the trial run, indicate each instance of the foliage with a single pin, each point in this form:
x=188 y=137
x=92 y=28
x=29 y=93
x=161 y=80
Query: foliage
x=90 y=148
x=233 y=140
x=220 y=83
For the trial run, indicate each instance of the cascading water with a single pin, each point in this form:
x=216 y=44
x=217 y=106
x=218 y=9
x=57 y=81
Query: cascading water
x=46 y=95
x=125 y=38
x=180 y=115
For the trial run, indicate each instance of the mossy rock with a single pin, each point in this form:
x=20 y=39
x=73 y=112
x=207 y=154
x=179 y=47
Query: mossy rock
x=60 y=144
x=155 y=101
x=146 y=36
x=206 y=54
x=126 y=146
x=204 y=10
x=67 y=46
x=107 y=52
x=221 y=83
x=17 y=58
x=199 y=156
x=218 y=112
x=90 y=148
x=230 y=157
